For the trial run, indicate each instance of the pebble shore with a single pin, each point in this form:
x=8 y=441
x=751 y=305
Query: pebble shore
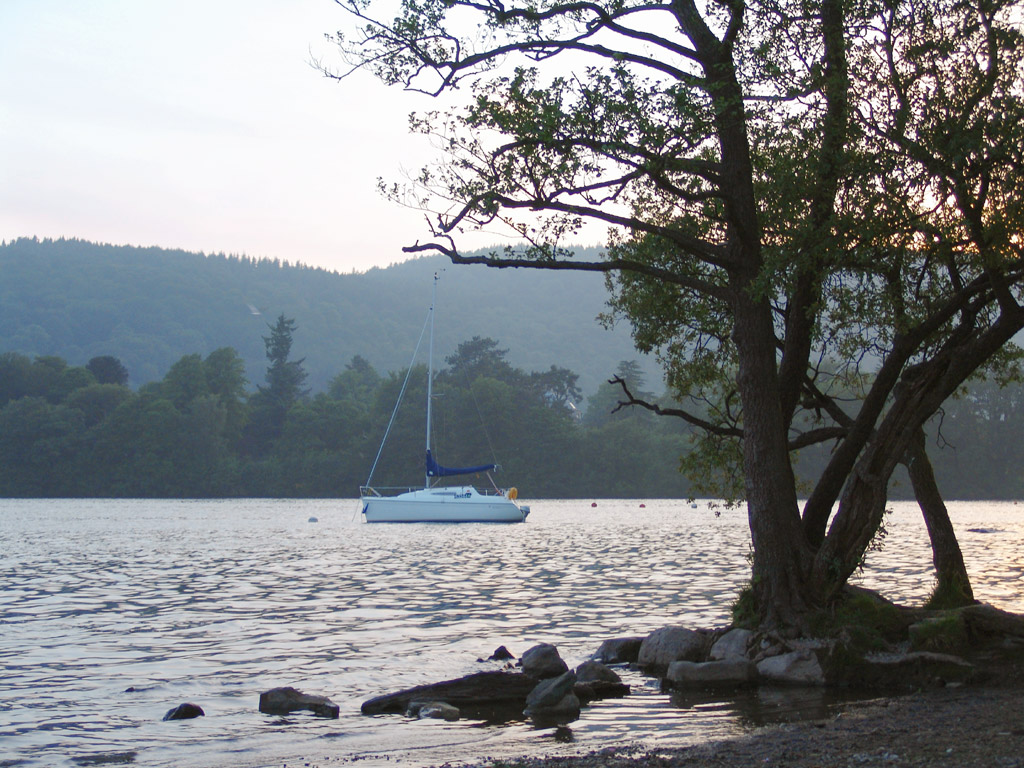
x=946 y=728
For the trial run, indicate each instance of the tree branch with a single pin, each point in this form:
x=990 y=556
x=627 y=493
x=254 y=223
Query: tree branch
x=611 y=265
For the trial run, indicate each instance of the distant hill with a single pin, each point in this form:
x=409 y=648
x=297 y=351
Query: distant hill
x=149 y=307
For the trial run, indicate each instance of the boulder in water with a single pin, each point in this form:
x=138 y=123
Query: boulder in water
x=491 y=695
x=619 y=650
x=553 y=700
x=185 y=712
x=501 y=653
x=542 y=661
x=437 y=710
x=282 y=701
x=668 y=644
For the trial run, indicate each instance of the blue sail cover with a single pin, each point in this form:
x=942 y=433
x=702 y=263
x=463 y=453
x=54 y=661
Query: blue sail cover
x=436 y=470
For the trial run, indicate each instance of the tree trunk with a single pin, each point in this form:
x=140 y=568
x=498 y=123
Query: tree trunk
x=781 y=558
x=780 y=567
x=863 y=500
x=861 y=509
x=953 y=585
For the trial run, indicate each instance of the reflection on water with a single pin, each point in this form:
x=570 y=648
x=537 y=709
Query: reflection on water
x=113 y=612
x=756 y=707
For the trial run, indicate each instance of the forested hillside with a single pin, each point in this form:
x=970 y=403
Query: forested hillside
x=148 y=307
x=122 y=373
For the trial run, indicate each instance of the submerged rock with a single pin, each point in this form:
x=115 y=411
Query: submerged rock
x=710 y=674
x=483 y=694
x=553 y=700
x=550 y=692
x=437 y=710
x=282 y=701
x=185 y=712
x=793 y=668
x=619 y=650
x=564 y=711
x=596 y=681
x=596 y=672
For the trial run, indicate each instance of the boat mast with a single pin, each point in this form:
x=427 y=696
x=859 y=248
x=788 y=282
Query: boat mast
x=430 y=372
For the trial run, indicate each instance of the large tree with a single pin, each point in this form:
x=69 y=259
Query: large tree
x=792 y=188
x=270 y=404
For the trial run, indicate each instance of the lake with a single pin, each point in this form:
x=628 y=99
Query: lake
x=112 y=612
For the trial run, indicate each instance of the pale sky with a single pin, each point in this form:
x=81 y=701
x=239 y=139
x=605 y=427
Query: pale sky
x=200 y=125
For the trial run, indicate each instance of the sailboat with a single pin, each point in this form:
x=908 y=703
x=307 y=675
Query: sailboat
x=435 y=503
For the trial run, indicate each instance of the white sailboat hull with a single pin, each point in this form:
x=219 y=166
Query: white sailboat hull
x=462 y=504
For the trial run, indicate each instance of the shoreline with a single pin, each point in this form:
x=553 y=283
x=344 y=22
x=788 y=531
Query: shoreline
x=959 y=726
x=966 y=727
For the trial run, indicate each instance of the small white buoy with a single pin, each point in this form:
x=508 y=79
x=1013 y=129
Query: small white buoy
x=313 y=520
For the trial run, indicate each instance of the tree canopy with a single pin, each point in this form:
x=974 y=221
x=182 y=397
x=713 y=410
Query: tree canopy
x=198 y=433
x=813 y=214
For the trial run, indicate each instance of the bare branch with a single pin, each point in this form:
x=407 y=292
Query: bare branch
x=689 y=418
x=611 y=265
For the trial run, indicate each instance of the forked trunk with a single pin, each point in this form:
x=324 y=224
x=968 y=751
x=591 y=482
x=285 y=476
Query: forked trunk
x=952 y=584
x=856 y=522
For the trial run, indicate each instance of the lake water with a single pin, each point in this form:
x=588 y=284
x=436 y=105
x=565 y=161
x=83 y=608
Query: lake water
x=214 y=602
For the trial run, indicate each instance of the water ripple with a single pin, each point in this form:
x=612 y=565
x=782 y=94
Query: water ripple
x=113 y=612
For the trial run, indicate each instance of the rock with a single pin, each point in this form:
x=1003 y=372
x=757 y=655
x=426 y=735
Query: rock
x=619 y=650
x=185 y=712
x=596 y=681
x=437 y=710
x=596 y=672
x=484 y=694
x=549 y=693
x=732 y=645
x=282 y=701
x=501 y=653
x=668 y=644
x=553 y=701
x=542 y=661
x=940 y=634
x=597 y=689
x=728 y=673
x=793 y=668
x=565 y=711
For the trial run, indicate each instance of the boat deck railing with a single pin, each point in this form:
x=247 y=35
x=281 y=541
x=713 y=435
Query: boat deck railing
x=394 y=490
x=390 y=490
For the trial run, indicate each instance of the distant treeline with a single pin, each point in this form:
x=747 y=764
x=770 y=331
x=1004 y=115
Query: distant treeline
x=80 y=431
